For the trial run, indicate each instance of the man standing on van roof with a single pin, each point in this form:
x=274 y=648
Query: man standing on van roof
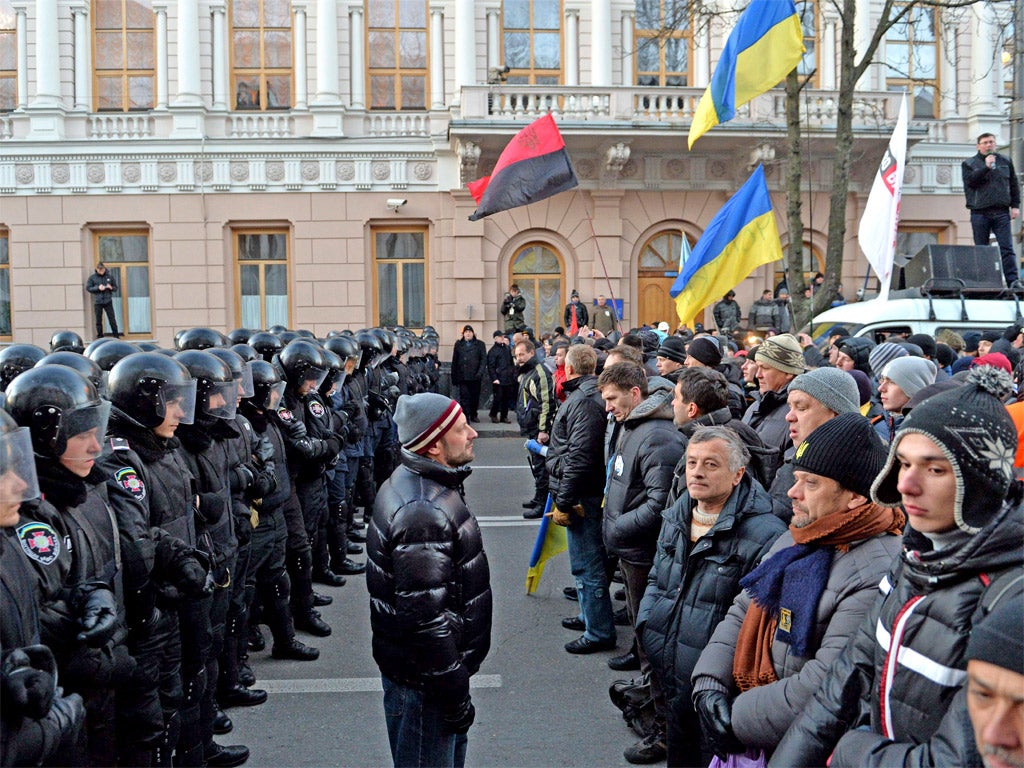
x=993 y=196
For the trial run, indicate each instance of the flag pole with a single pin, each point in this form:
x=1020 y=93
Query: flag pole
x=600 y=256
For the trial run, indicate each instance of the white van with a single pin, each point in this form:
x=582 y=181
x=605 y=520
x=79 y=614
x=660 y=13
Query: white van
x=880 y=319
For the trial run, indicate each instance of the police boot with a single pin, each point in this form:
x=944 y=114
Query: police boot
x=300 y=575
x=279 y=617
x=355 y=530
x=222 y=723
x=230 y=691
x=219 y=756
x=168 y=740
x=189 y=750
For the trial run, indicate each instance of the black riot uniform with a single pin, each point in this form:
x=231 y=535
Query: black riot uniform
x=207 y=451
x=71 y=538
x=38 y=723
x=267 y=582
x=153 y=497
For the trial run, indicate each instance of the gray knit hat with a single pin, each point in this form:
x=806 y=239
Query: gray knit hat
x=424 y=419
x=833 y=388
x=783 y=353
x=911 y=374
x=883 y=354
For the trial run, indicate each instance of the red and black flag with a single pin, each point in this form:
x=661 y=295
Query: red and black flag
x=534 y=166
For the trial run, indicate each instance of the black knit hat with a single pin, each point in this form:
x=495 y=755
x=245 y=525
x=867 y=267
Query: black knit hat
x=974 y=431
x=998 y=637
x=673 y=348
x=706 y=350
x=846 y=449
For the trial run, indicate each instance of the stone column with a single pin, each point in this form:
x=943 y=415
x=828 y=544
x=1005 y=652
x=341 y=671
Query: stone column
x=827 y=54
x=47 y=59
x=162 y=76
x=628 y=44
x=465 y=48
x=700 y=75
x=493 y=38
x=219 y=44
x=601 y=43
x=327 y=90
x=83 y=75
x=861 y=36
x=436 y=57
x=572 y=48
x=984 y=114
x=21 y=29
x=357 y=64
x=299 y=38
x=187 y=49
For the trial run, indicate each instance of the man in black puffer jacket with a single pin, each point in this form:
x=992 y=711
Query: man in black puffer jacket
x=429 y=585
x=888 y=698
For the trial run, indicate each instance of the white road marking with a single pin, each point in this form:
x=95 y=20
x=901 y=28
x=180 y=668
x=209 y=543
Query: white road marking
x=499 y=466
x=354 y=684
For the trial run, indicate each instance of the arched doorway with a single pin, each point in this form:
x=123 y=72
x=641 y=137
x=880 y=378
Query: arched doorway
x=657 y=271
x=537 y=270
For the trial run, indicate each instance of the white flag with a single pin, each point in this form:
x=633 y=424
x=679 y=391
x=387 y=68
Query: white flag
x=877 y=231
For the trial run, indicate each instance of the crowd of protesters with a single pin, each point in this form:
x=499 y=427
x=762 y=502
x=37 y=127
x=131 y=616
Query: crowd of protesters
x=819 y=551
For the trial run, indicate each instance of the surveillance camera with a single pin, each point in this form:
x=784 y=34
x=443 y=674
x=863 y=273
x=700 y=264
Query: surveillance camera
x=394 y=203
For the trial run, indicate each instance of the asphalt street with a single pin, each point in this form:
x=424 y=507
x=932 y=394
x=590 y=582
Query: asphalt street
x=536 y=705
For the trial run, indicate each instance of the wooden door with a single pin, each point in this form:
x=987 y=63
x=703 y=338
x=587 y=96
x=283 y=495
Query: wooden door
x=654 y=302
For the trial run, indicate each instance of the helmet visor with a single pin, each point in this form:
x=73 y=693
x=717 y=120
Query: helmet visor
x=221 y=399
x=274 y=395
x=315 y=376
x=18 y=481
x=86 y=419
x=379 y=358
x=245 y=385
x=178 y=400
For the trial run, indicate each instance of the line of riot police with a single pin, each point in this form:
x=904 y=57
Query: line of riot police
x=158 y=505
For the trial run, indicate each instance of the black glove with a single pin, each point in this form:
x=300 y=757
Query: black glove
x=461 y=718
x=95 y=608
x=243 y=528
x=264 y=484
x=189 y=572
x=333 y=446
x=242 y=478
x=28 y=681
x=263 y=451
x=714 y=708
x=293 y=429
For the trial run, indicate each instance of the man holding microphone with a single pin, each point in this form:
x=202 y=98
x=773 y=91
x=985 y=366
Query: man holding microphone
x=993 y=197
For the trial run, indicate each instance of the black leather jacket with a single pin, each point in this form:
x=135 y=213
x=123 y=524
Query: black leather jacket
x=575 y=459
x=429 y=581
x=986 y=187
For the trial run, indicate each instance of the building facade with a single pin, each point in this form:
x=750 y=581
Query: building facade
x=246 y=163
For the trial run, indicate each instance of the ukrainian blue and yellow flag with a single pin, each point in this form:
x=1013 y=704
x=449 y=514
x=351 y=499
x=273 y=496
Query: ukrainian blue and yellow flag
x=551 y=540
x=740 y=238
x=765 y=46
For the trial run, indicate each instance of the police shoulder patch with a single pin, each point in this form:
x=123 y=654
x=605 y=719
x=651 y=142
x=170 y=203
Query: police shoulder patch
x=129 y=479
x=119 y=444
x=317 y=409
x=39 y=541
x=285 y=415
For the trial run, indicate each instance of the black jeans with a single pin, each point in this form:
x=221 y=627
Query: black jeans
x=996 y=221
x=503 y=400
x=98 y=310
x=469 y=398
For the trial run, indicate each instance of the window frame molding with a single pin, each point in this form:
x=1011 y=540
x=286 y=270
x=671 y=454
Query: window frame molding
x=96 y=231
x=263 y=71
x=268 y=228
x=397 y=70
x=125 y=72
x=532 y=73
x=379 y=227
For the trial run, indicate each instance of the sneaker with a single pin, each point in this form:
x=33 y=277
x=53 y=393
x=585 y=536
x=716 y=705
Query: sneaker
x=650 y=749
x=570 y=593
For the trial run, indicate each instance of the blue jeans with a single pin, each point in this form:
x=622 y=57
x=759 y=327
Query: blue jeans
x=996 y=221
x=416 y=730
x=587 y=563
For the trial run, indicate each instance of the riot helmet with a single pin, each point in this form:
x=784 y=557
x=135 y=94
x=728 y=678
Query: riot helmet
x=344 y=347
x=58 y=404
x=240 y=335
x=147 y=346
x=67 y=340
x=107 y=356
x=287 y=337
x=80 y=363
x=372 y=349
x=266 y=344
x=150 y=387
x=268 y=385
x=97 y=343
x=18 y=480
x=276 y=329
x=303 y=361
x=335 y=372
x=201 y=338
x=240 y=370
x=16 y=359
x=245 y=351
x=216 y=390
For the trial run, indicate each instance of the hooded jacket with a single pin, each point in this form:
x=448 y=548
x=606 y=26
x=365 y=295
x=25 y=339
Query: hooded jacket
x=647 y=449
x=761 y=715
x=535 y=401
x=429 y=581
x=692 y=584
x=896 y=679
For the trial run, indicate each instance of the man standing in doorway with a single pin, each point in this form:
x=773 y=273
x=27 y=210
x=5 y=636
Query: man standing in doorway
x=102 y=286
x=429 y=585
x=993 y=197
x=605 y=319
x=513 y=310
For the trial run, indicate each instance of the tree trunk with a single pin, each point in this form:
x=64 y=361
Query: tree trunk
x=794 y=203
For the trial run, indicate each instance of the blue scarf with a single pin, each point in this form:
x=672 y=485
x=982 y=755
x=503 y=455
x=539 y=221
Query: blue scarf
x=788 y=586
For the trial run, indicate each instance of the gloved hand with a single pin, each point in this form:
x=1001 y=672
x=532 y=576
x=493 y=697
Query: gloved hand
x=558 y=517
x=264 y=484
x=263 y=450
x=242 y=478
x=333 y=446
x=28 y=681
x=714 y=708
x=68 y=713
x=95 y=608
x=293 y=428
x=189 y=572
x=243 y=527
x=461 y=718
